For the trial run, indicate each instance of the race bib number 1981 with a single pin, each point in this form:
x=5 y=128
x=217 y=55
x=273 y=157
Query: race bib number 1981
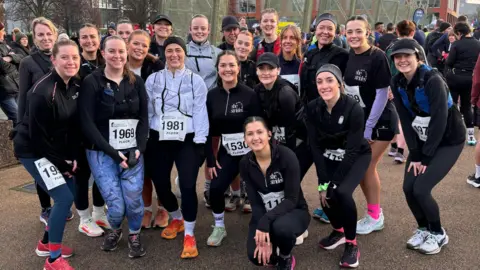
x=173 y=127
x=51 y=176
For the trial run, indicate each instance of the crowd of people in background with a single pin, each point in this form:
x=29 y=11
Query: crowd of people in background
x=259 y=110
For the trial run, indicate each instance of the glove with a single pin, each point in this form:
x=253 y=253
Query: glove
x=132 y=161
x=200 y=150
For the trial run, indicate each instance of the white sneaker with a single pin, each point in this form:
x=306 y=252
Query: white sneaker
x=417 y=239
x=300 y=239
x=433 y=243
x=101 y=220
x=90 y=228
x=177 y=191
x=367 y=224
x=471 y=136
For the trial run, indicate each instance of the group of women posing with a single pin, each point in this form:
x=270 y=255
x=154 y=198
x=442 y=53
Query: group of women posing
x=133 y=112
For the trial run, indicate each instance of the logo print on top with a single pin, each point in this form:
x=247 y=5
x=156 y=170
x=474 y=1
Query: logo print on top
x=361 y=75
x=276 y=178
x=237 y=107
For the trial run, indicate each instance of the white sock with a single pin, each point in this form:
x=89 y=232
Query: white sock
x=84 y=215
x=177 y=214
x=99 y=210
x=219 y=219
x=477 y=171
x=470 y=131
x=148 y=208
x=236 y=193
x=189 y=227
x=207 y=185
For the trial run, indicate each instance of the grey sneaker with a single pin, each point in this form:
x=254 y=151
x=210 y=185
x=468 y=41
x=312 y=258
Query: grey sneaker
x=135 y=246
x=215 y=239
x=433 y=243
x=232 y=204
x=417 y=239
x=400 y=158
x=110 y=243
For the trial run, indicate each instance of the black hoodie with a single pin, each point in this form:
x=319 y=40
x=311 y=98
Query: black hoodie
x=278 y=192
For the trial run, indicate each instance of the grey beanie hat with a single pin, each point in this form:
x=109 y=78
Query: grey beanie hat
x=332 y=69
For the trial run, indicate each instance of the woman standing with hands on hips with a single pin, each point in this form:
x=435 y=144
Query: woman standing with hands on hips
x=435 y=140
x=179 y=126
x=47 y=144
x=335 y=125
x=279 y=211
x=228 y=105
x=114 y=117
x=367 y=78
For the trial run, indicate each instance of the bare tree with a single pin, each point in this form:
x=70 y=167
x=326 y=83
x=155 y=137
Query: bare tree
x=139 y=11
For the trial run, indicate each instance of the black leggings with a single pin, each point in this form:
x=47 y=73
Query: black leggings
x=343 y=210
x=305 y=159
x=418 y=189
x=283 y=233
x=461 y=86
x=43 y=197
x=225 y=176
x=161 y=155
x=81 y=181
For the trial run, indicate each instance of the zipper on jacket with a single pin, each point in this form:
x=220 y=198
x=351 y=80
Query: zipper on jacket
x=226 y=106
x=266 y=172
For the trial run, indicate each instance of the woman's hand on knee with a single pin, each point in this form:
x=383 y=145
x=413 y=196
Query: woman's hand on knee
x=263 y=254
x=417 y=167
x=323 y=199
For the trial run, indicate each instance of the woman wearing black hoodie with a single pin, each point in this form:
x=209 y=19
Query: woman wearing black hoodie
x=280 y=213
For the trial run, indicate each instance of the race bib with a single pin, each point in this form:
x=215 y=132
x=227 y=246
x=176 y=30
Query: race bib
x=123 y=133
x=235 y=144
x=294 y=79
x=51 y=176
x=420 y=125
x=279 y=134
x=334 y=155
x=272 y=199
x=354 y=92
x=173 y=127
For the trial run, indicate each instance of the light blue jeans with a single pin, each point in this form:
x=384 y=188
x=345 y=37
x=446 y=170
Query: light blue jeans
x=120 y=188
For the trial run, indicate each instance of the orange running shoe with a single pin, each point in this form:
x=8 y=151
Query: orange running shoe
x=189 y=247
x=147 y=220
x=176 y=226
x=161 y=218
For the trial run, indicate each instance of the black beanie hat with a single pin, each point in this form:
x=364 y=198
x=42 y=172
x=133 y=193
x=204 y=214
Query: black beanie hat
x=444 y=26
x=175 y=40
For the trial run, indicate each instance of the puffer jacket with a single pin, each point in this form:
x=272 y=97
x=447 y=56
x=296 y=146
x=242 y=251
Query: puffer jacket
x=201 y=59
x=9 y=76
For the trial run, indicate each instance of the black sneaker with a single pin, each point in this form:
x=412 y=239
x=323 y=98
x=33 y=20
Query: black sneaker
x=286 y=264
x=206 y=198
x=110 y=243
x=135 y=246
x=350 y=256
x=332 y=241
x=473 y=181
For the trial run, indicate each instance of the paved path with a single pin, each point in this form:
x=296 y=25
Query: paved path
x=459 y=203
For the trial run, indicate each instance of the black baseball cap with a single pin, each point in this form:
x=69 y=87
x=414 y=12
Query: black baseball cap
x=268 y=58
x=162 y=17
x=405 y=46
x=229 y=22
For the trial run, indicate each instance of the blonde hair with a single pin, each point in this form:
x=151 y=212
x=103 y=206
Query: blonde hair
x=62 y=43
x=269 y=11
x=150 y=57
x=298 y=36
x=46 y=22
x=452 y=33
x=126 y=71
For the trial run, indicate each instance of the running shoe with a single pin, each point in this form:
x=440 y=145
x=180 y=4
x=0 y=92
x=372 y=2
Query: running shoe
x=189 y=247
x=215 y=239
x=58 y=264
x=286 y=263
x=110 y=243
x=350 y=257
x=233 y=203
x=392 y=152
x=301 y=238
x=147 y=219
x=206 y=198
x=319 y=214
x=44 y=215
x=101 y=220
x=400 y=158
x=247 y=207
x=433 y=243
x=161 y=218
x=135 y=246
x=332 y=241
x=171 y=231
x=472 y=180
x=177 y=191
x=417 y=239
x=43 y=250
x=368 y=224
x=90 y=228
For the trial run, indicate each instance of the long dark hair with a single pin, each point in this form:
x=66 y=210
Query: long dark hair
x=252 y=119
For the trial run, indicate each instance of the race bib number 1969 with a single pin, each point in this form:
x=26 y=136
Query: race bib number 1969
x=272 y=199
x=51 y=176
x=123 y=133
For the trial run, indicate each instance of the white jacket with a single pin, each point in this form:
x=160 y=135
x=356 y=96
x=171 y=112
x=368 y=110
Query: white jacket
x=192 y=95
x=201 y=59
